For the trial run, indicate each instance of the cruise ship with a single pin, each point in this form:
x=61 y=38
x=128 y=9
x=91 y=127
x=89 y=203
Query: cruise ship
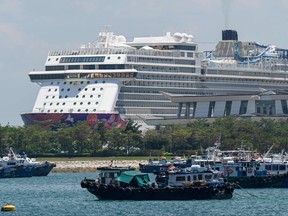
x=113 y=79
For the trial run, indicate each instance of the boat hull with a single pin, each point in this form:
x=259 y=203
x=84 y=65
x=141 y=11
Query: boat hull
x=44 y=169
x=110 y=192
x=16 y=172
x=109 y=120
x=269 y=181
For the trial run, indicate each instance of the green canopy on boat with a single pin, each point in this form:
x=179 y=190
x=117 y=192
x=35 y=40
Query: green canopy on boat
x=128 y=176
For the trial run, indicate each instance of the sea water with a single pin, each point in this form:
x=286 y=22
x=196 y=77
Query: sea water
x=61 y=194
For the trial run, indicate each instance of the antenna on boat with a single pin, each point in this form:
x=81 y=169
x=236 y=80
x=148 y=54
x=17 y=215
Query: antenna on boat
x=266 y=154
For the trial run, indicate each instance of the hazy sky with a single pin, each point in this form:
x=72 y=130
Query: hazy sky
x=29 y=29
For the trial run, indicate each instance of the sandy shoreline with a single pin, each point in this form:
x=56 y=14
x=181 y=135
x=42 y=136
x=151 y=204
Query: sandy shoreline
x=91 y=166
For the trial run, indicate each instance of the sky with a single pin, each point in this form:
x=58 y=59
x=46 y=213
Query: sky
x=29 y=29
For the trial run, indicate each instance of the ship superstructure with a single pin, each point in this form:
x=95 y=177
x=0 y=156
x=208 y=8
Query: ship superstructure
x=112 y=80
x=84 y=84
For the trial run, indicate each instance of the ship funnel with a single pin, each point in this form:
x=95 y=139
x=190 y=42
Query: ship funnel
x=229 y=35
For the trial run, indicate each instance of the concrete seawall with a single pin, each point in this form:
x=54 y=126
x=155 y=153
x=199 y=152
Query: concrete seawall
x=91 y=166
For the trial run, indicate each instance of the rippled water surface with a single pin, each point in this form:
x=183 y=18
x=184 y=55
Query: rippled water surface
x=61 y=194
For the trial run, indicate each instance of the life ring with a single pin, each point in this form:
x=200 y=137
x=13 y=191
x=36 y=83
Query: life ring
x=121 y=190
x=111 y=187
x=103 y=187
x=168 y=189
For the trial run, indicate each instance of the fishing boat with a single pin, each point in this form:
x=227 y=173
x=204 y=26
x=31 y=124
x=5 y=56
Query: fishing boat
x=123 y=184
x=16 y=165
x=246 y=168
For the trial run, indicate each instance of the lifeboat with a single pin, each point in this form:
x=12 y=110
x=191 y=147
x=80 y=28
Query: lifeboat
x=8 y=207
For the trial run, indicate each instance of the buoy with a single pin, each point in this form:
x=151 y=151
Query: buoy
x=8 y=207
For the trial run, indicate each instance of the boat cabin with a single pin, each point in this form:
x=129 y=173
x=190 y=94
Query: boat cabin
x=195 y=173
x=108 y=175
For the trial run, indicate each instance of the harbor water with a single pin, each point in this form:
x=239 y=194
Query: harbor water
x=61 y=194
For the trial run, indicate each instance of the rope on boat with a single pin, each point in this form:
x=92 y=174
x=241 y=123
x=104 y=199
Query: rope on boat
x=237 y=185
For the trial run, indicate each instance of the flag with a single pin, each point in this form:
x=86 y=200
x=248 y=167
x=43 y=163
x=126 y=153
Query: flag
x=171 y=166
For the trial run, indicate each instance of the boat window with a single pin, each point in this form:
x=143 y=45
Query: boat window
x=180 y=178
x=208 y=177
x=268 y=167
x=274 y=167
x=200 y=177
x=188 y=178
x=282 y=167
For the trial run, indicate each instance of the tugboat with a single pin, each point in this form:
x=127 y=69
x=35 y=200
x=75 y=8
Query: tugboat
x=125 y=184
x=15 y=165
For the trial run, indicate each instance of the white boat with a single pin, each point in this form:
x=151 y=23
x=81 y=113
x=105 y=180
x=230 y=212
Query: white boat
x=113 y=80
x=15 y=165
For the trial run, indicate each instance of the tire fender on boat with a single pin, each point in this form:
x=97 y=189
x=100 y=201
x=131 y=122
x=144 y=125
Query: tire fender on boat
x=128 y=191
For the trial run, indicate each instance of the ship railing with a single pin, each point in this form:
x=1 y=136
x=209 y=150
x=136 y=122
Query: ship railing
x=107 y=51
x=244 y=66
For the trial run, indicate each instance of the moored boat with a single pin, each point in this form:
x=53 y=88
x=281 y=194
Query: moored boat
x=132 y=185
x=15 y=165
x=157 y=166
x=247 y=169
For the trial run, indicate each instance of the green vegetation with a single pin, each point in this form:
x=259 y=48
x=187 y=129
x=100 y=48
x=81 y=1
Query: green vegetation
x=83 y=141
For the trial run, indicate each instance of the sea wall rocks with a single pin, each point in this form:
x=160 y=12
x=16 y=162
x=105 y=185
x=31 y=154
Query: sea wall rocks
x=91 y=166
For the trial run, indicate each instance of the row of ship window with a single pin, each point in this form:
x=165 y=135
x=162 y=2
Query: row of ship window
x=174 y=91
x=66 y=96
x=257 y=74
x=160 y=60
x=79 y=110
x=81 y=59
x=193 y=82
x=144 y=104
x=166 y=69
x=200 y=78
x=76 y=82
x=79 y=89
x=82 y=75
x=75 y=103
x=85 y=67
